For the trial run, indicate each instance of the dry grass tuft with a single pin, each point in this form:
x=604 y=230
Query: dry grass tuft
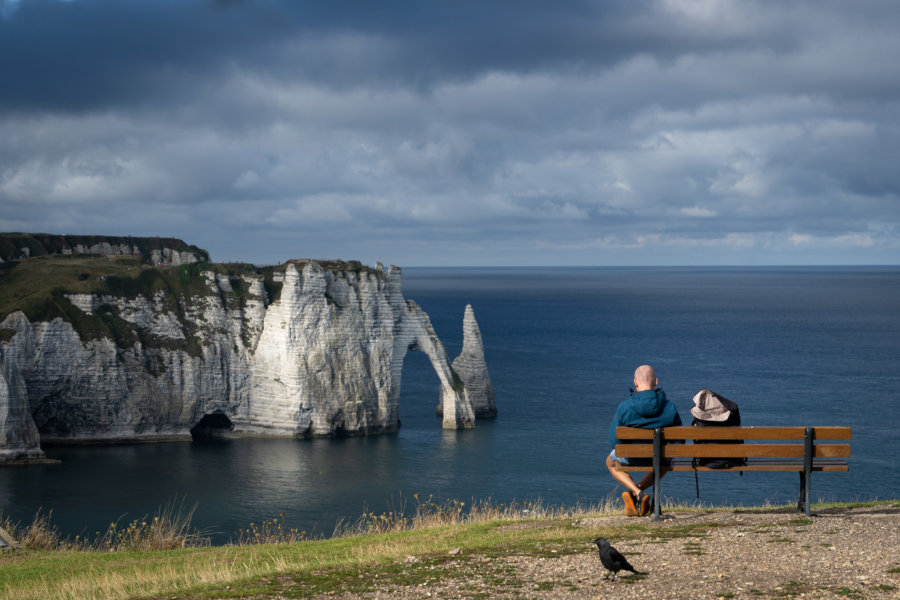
x=270 y=532
x=169 y=529
x=431 y=512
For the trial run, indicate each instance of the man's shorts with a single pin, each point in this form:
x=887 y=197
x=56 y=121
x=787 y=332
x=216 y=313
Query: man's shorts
x=633 y=462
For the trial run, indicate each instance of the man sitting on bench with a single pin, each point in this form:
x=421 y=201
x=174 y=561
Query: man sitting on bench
x=647 y=408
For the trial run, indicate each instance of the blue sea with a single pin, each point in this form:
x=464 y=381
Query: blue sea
x=790 y=345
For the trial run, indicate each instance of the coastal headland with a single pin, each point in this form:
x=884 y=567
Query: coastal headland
x=107 y=340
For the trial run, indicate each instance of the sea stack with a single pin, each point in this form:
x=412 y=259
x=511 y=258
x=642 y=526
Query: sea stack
x=472 y=368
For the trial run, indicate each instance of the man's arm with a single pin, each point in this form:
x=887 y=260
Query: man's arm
x=617 y=420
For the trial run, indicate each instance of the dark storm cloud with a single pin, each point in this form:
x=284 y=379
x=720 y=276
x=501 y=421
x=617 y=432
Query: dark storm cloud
x=96 y=53
x=464 y=131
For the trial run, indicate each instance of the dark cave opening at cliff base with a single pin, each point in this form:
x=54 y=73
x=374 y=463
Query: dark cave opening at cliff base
x=212 y=426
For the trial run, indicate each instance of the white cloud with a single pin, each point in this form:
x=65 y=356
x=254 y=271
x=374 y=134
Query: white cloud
x=698 y=212
x=324 y=209
x=855 y=239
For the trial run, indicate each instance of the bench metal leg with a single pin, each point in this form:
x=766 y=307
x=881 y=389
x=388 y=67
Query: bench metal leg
x=806 y=475
x=803 y=501
x=657 y=470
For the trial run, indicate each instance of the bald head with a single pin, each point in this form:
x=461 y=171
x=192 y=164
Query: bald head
x=645 y=378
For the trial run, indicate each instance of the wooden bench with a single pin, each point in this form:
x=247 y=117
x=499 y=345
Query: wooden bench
x=798 y=449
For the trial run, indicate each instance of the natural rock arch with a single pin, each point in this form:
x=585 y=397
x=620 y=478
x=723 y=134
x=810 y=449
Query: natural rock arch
x=455 y=406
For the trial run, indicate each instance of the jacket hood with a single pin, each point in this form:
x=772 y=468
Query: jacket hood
x=649 y=403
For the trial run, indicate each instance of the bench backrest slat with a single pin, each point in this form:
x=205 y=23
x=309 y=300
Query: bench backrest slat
x=732 y=450
x=736 y=433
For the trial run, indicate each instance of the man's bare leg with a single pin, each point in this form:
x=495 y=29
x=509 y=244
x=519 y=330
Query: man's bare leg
x=647 y=479
x=624 y=478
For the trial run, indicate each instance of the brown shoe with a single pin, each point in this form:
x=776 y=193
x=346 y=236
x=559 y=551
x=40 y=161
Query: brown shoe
x=645 y=504
x=630 y=508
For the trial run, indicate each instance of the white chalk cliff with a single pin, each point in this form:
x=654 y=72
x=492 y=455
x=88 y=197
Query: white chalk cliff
x=322 y=358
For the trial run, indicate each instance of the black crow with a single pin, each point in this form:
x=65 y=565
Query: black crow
x=612 y=559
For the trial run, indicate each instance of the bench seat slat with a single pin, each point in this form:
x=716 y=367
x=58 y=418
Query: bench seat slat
x=736 y=433
x=733 y=450
x=752 y=465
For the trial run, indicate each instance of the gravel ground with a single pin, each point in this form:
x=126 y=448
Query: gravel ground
x=840 y=553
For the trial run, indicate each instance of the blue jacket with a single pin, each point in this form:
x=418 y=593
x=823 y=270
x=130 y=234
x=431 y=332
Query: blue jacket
x=648 y=409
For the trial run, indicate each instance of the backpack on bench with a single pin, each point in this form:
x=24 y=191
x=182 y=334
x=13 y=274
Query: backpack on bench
x=712 y=410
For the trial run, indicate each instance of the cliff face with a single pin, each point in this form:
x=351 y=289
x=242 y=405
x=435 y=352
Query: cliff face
x=323 y=357
x=19 y=440
x=157 y=251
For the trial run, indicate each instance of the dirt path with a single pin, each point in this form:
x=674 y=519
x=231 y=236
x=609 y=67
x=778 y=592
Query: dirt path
x=840 y=553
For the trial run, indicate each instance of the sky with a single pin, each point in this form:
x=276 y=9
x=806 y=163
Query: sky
x=459 y=132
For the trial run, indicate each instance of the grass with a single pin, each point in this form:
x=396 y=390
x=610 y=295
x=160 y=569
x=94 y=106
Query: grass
x=169 y=529
x=440 y=540
x=850 y=592
x=28 y=285
x=365 y=555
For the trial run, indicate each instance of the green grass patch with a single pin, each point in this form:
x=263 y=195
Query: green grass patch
x=300 y=570
x=789 y=589
x=693 y=548
x=28 y=285
x=681 y=531
x=478 y=553
x=297 y=570
x=849 y=592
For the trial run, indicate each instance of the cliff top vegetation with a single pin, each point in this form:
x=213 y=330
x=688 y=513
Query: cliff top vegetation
x=335 y=266
x=41 y=284
x=15 y=245
x=33 y=285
